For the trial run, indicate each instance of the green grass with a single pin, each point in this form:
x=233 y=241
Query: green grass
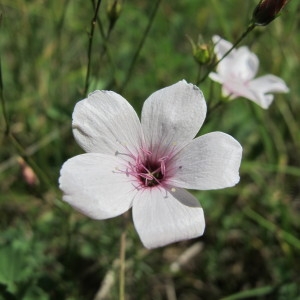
x=251 y=246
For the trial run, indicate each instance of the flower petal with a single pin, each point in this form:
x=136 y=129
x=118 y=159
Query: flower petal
x=211 y=161
x=244 y=65
x=240 y=64
x=236 y=88
x=106 y=123
x=216 y=77
x=269 y=84
x=173 y=115
x=225 y=66
x=162 y=217
x=264 y=85
x=221 y=46
x=91 y=184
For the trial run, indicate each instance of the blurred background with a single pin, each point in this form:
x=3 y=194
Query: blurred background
x=251 y=246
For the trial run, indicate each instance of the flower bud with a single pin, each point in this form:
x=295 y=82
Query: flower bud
x=27 y=173
x=114 y=8
x=267 y=10
x=202 y=52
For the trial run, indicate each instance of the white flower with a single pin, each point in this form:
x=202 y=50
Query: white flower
x=236 y=73
x=147 y=165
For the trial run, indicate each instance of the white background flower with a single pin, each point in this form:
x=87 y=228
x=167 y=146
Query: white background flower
x=236 y=73
x=146 y=165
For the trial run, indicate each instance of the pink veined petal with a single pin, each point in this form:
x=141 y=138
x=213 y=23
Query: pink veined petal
x=209 y=162
x=162 y=217
x=106 y=123
x=92 y=185
x=172 y=116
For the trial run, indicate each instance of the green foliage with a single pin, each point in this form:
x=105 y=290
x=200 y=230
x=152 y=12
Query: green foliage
x=250 y=249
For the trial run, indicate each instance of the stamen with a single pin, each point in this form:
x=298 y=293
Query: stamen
x=146 y=176
x=146 y=151
x=145 y=169
x=163 y=164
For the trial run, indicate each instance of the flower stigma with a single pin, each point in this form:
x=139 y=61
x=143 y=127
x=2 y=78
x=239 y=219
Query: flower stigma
x=146 y=169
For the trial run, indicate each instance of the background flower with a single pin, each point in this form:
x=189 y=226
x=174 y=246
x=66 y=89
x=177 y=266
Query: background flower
x=237 y=71
x=147 y=165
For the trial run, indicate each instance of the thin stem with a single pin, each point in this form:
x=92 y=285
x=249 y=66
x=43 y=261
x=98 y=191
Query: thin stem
x=199 y=72
x=216 y=106
x=105 y=38
x=211 y=110
x=122 y=265
x=91 y=37
x=4 y=112
x=268 y=141
x=140 y=46
x=248 y=30
x=114 y=9
x=106 y=50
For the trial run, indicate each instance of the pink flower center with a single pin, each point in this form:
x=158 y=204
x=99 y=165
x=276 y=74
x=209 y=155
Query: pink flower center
x=146 y=170
x=149 y=173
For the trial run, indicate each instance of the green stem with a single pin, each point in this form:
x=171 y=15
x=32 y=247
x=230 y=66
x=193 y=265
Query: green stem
x=199 y=73
x=268 y=141
x=211 y=110
x=251 y=293
x=248 y=30
x=105 y=38
x=122 y=265
x=140 y=46
x=4 y=112
x=91 y=37
x=106 y=50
